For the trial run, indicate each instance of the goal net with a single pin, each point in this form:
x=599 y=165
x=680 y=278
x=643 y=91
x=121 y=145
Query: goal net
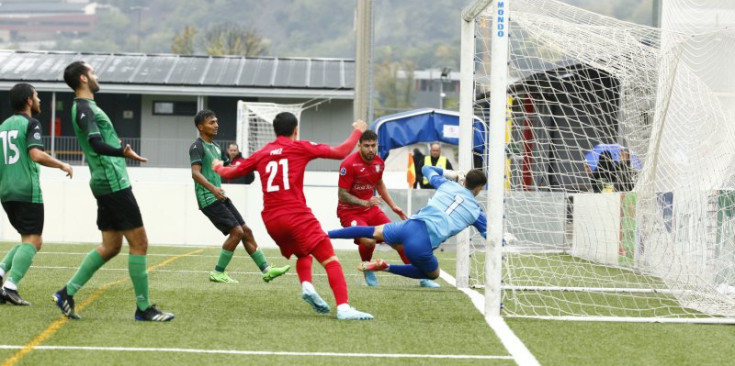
x=255 y=123
x=621 y=198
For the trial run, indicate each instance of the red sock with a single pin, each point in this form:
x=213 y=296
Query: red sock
x=303 y=268
x=337 y=281
x=366 y=252
x=402 y=253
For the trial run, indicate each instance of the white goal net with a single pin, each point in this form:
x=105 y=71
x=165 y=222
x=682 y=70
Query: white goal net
x=255 y=123
x=620 y=197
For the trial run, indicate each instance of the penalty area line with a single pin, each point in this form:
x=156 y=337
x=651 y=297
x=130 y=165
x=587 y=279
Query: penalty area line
x=258 y=353
x=519 y=352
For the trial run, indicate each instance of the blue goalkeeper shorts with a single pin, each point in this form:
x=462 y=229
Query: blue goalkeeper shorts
x=416 y=243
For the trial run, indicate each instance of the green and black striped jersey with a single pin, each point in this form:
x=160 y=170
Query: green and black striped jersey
x=18 y=172
x=108 y=172
x=203 y=153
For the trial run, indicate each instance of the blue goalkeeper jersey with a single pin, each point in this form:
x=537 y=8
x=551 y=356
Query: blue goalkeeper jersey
x=452 y=209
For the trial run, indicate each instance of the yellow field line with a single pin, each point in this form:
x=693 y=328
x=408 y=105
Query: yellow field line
x=56 y=325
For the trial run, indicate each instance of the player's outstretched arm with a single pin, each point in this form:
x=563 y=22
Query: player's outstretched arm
x=383 y=192
x=41 y=157
x=235 y=171
x=342 y=150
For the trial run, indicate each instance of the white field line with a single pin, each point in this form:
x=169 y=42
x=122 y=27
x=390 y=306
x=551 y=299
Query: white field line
x=259 y=353
x=521 y=355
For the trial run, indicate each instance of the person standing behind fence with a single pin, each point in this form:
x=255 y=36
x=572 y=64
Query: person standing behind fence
x=20 y=189
x=118 y=213
x=436 y=159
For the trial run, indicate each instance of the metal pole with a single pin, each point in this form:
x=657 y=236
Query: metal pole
x=466 y=115
x=362 y=59
x=53 y=124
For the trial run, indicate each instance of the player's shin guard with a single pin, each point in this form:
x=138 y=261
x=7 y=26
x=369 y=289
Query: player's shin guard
x=353 y=232
x=303 y=269
x=139 y=276
x=366 y=252
x=337 y=281
x=91 y=263
x=7 y=262
x=21 y=263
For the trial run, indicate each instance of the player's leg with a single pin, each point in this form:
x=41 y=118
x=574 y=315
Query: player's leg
x=379 y=218
x=251 y=246
x=416 y=242
x=365 y=246
x=308 y=292
x=27 y=218
x=108 y=249
x=224 y=221
x=324 y=253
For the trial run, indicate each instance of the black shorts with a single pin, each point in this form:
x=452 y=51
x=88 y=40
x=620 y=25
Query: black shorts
x=26 y=217
x=223 y=215
x=118 y=211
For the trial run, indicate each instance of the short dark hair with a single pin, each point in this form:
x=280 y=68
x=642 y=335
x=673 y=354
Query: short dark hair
x=474 y=178
x=284 y=124
x=73 y=71
x=233 y=143
x=368 y=135
x=202 y=116
x=19 y=95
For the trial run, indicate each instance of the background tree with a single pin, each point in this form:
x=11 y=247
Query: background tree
x=183 y=43
x=231 y=39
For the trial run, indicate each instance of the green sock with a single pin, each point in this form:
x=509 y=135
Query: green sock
x=7 y=262
x=139 y=276
x=21 y=262
x=225 y=256
x=259 y=259
x=91 y=263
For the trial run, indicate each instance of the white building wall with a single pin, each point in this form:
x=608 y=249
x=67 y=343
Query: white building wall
x=169 y=208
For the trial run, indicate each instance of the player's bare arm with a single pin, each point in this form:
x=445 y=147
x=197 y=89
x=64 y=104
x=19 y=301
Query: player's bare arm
x=345 y=196
x=383 y=192
x=129 y=153
x=196 y=174
x=41 y=157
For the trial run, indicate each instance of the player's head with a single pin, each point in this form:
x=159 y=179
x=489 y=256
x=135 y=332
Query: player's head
x=475 y=180
x=368 y=145
x=80 y=75
x=24 y=95
x=285 y=124
x=436 y=150
x=206 y=122
x=233 y=150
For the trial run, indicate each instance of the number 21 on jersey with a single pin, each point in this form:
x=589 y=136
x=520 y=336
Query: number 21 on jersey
x=272 y=170
x=7 y=138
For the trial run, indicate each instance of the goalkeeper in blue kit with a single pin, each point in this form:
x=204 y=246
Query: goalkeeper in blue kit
x=452 y=209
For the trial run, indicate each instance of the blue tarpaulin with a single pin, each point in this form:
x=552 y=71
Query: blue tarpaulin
x=423 y=125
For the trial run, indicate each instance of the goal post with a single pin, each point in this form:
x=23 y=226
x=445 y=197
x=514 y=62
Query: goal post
x=255 y=123
x=620 y=199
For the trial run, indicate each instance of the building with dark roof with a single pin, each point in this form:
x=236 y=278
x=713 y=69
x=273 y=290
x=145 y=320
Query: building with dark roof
x=152 y=98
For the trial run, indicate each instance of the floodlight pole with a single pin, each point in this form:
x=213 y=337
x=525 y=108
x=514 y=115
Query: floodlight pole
x=362 y=60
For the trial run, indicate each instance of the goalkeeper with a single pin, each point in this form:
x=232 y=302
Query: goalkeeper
x=452 y=209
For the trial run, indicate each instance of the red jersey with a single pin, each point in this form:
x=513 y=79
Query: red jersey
x=360 y=178
x=281 y=164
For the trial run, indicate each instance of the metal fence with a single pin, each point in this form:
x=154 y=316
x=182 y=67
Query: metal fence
x=161 y=153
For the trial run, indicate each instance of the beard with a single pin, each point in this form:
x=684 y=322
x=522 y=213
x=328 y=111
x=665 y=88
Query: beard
x=35 y=109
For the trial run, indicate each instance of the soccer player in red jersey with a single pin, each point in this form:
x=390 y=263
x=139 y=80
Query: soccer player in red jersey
x=360 y=176
x=291 y=224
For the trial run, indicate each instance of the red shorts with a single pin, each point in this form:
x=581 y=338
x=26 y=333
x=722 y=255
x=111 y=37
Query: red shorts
x=295 y=234
x=371 y=217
